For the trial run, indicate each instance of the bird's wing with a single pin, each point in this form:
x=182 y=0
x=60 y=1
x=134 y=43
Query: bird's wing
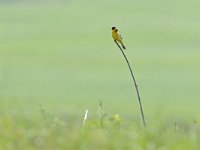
x=120 y=36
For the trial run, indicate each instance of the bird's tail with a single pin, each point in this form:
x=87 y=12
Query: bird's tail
x=123 y=45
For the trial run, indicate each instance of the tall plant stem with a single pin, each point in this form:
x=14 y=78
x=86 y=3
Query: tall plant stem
x=138 y=94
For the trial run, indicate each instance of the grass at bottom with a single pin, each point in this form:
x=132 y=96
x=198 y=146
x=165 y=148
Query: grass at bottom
x=97 y=133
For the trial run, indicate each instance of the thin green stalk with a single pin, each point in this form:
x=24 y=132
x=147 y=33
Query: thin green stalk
x=138 y=94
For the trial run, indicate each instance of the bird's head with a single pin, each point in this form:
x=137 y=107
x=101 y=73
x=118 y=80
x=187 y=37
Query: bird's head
x=113 y=28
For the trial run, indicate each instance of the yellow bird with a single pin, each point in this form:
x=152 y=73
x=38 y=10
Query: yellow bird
x=117 y=36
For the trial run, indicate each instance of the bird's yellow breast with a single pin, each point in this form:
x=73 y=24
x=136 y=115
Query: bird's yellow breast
x=116 y=35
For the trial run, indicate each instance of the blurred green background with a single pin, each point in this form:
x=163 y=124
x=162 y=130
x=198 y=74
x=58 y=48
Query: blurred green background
x=60 y=54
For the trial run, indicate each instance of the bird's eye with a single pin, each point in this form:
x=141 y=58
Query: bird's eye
x=113 y=28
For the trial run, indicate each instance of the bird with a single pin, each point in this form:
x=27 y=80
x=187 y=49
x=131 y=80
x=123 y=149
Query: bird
x=117 y=36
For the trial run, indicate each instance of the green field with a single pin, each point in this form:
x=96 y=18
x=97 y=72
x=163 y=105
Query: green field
x=57 y=59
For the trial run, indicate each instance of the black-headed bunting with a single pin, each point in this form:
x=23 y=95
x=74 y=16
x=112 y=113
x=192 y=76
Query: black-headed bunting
x=117 y=36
